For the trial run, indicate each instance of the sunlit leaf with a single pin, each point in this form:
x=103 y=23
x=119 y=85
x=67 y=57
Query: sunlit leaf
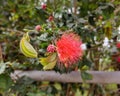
x=50 y=58
x=50 y=65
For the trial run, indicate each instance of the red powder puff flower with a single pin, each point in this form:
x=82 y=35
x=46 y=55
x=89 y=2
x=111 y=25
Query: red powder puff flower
x=118 y=45
x=69 y=49
x=51 y=48
x=118 y=59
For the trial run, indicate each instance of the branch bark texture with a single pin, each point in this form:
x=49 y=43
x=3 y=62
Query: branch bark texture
x=72 y=77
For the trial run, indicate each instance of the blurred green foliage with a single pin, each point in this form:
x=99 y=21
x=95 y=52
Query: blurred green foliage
x=93 y=20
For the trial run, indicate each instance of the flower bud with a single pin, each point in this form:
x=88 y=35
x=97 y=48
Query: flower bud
x=50 y=18
x=51 y=48
x=38 y=28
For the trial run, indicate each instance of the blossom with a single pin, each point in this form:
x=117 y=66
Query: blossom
x=118 y=45
x=38 y=27
x=51 y=48
x=69 y=49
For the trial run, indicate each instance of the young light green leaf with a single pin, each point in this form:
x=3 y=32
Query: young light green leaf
x=27 y=49
x=50 y=58
x=51 y=65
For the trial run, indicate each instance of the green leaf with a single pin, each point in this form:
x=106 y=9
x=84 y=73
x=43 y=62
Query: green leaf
x=43 y=61
x=50 y=65
x=27 y=36
x=58 y=86
x=46 y=60
x=5 y=82
x=3 y=66
x=86 y=76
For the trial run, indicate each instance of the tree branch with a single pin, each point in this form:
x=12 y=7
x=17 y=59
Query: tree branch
x=72 y=77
